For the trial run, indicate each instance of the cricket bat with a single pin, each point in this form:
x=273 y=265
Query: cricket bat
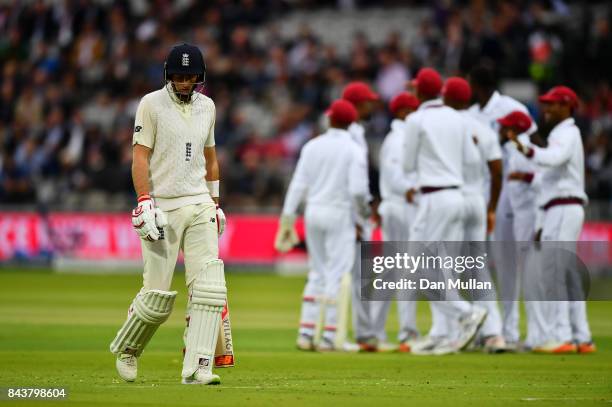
x=344 y=304
x=224 y=353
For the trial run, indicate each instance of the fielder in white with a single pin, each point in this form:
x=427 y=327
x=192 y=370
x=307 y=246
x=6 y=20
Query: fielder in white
x=436 y=145
x=516 y=210
x=331 y=177
x=176 y=178
x=559 y=326
x=362 y=97
x=478 y=215
x=396 y=214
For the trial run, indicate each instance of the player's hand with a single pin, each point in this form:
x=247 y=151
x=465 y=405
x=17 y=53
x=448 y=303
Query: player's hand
x=161 y=220
x=286 y=236
x=490 y=221
x=521 y=176
x=410 y=195
x=144 y=219
x=375 y=217
x=221 y=221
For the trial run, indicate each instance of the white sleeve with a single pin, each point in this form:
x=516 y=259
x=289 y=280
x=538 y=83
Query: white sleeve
x=391 y=168
x=144 y=125
x=210 y=138
x=471 y=155
x=358 y=177
x=411 y=142
x=558 y=151
x=488 y=144
x=298 y=187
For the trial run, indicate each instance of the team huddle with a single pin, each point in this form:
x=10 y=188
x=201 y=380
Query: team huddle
x=450 y=170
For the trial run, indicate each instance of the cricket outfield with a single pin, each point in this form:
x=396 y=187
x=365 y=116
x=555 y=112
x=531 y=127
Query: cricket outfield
x=55 y=330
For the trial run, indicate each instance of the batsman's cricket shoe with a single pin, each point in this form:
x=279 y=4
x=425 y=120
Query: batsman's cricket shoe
x=127 y=367
x=202 y=376
x=305 y=342
x=470 y=324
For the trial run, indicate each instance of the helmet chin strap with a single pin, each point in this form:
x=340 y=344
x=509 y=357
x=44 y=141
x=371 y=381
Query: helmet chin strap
x=183 y=98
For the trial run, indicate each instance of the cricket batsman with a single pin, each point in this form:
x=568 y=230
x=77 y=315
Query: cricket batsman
x=176 y=177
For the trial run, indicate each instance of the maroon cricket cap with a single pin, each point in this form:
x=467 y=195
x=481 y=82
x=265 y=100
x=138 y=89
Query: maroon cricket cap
x=427 y=82
x=358 y=92
x=457 y=89
x=561 y=94
x=342 y=111
x=403 y=100
x=517 y=119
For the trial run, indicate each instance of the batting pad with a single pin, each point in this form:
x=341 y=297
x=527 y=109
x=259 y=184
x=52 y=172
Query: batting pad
x=208 y=296
x=148 y=311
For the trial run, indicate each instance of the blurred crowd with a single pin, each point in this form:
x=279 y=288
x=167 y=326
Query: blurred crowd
x=73 y=71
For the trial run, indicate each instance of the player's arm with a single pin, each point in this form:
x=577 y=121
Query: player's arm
x=286 y=236
x=412 y=141
x=411 y=146
x=495 y=169
x=358 y=185
x=212 y=172
x=140 y=169
x=391 y=169
x=146 y=219
x=559 y=151
x=298 y=187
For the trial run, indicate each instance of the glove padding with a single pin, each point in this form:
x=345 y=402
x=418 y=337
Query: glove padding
x=221 y=221
x=146 y=219
x=286 y=236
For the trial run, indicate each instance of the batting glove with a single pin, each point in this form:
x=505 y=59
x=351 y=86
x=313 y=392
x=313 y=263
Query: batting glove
x=221 y=221
x=144 y=218
x=286 y=236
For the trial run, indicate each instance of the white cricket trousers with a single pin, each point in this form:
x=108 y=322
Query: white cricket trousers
x=516 y=229
x=558 y=321
x=475 y=232
x=330 y=238
x=439 y=218
x=396 y=217
x=192 y=229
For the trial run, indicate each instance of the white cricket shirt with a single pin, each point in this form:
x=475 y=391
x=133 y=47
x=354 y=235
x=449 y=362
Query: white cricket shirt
x=394 y=182
x=521 y=194
x=176 y=134
x=436 y=143
x=488 y=149
x=562 y=164
x=331 y=171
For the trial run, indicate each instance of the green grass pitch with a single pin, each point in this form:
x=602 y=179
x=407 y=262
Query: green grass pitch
x=55 y=330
